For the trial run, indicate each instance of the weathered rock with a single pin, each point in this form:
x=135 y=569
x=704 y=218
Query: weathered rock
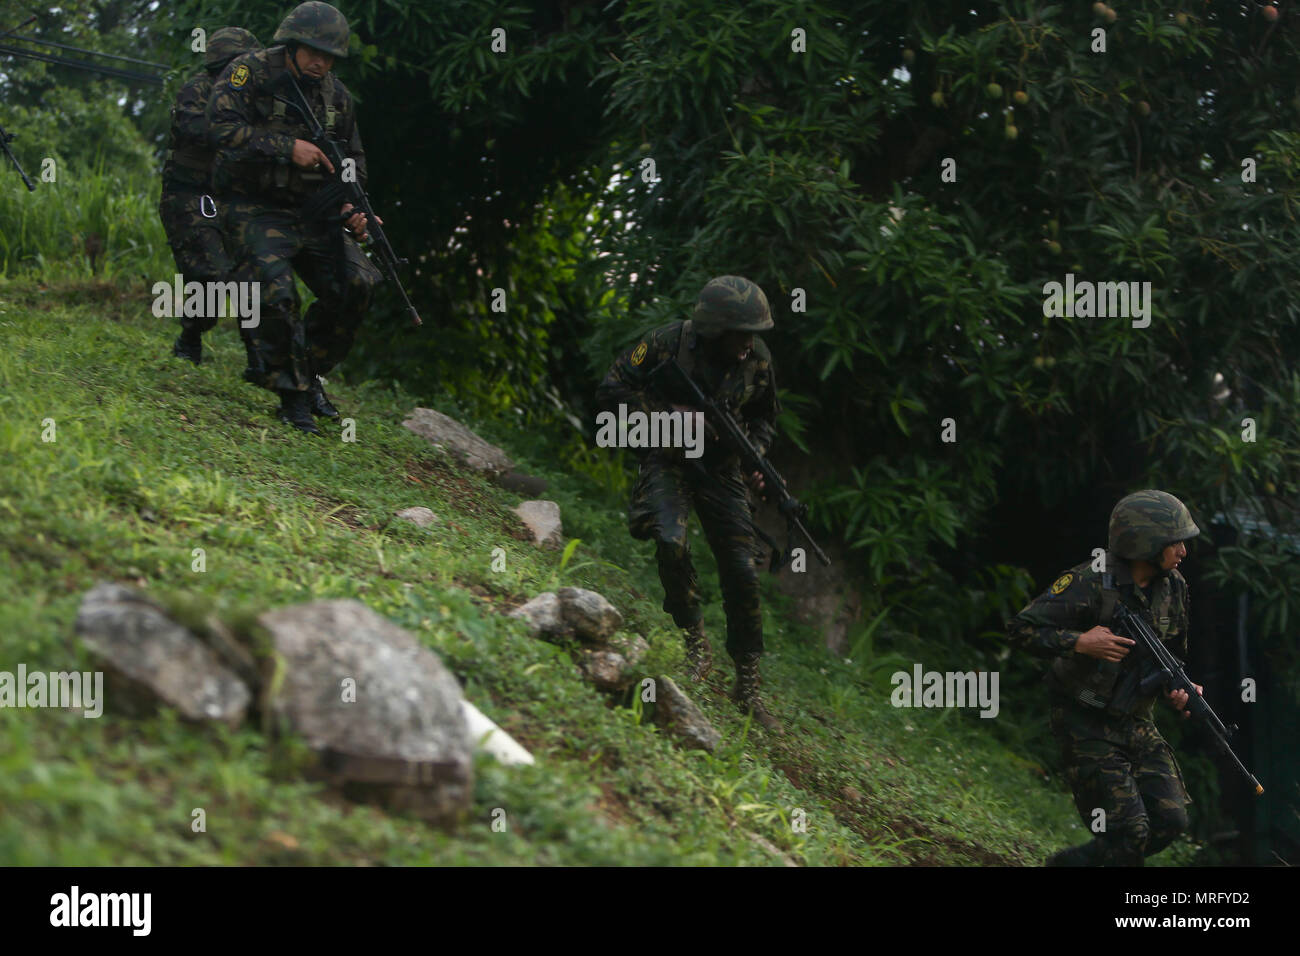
x=633 y=648
x=403 y=738
x=605 y=669
x=461 y=443
x=421 y=516
x=542 y=614
x=588 y=614
x=542 y=519
x=681 y=717
x=614 y=667
x=152 y=660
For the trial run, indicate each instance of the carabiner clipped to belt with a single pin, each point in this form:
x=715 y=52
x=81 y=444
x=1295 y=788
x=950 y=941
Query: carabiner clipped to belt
x=206 y=202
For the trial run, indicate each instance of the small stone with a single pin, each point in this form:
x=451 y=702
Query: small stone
x=542 y=518
x=588 y=614
x=682 y=718
x=421 y=516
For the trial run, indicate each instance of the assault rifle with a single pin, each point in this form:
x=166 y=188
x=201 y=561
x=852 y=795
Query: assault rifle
x=1163 y=671
x=6 y=137
x=734 y=436
x=345 y=191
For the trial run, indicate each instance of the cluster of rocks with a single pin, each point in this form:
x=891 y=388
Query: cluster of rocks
x=541 y=518
x=386 y=720
x=385 y=717
x=611 y=661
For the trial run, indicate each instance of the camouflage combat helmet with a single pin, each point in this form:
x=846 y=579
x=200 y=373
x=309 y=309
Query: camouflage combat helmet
x=228 y=43
x=731 y=304
x=317 y=25
x=1144 y=523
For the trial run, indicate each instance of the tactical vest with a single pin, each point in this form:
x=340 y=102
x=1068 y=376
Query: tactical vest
x=1090 y=681
x=686 y=359
x=272 y=178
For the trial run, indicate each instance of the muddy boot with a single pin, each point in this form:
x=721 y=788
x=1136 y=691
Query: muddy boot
x=189 y=345
x=745 y=692
x=699 y=656
x=320 y=402
x=295 y=410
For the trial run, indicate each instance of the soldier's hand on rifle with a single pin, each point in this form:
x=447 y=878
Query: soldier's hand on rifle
x=357 y=221
x=309 y=156
x=1102 y=643
x=1179 y=699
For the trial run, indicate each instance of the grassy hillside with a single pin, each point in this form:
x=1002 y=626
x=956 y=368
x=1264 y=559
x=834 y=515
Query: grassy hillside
x=155 y=458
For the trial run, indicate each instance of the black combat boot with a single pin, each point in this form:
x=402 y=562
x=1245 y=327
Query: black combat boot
x=295 y=410
x=255 y=372
x=320 y=402
x=189 y=345
x=1083 y=855
x=746 y=692
x=699 y=656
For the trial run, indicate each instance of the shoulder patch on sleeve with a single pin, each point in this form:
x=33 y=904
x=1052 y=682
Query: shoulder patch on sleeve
x=239 y=77
x=638 y=356
x=1063 y=582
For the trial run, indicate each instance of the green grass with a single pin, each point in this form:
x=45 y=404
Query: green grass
x=155 y=458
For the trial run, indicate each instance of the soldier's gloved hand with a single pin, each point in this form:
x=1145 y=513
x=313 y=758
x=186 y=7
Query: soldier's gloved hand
x=308 y=156
x=1101 y=643
x=1179 y=699
x=357 y=222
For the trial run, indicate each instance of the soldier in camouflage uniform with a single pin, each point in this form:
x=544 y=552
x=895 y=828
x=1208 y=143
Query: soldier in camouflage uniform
x=188 y=213
x=281 y=211
x=1115 y=759
x=718 y=350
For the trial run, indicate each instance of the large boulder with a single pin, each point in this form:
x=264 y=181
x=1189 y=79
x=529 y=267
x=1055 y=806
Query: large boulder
x=461 y=443
x=682 y=718
x=152 y=660
x=542 y=519
x=379 y=708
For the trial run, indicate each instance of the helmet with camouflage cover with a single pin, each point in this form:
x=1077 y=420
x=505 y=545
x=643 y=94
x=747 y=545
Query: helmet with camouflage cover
x=228 y=43
x=317 y=25
x=731 y=304
x=1144 y=523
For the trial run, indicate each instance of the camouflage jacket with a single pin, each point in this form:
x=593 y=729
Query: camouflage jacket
x=189 y=157
x=747 y=389
x=253 y=132
x=1051 y=624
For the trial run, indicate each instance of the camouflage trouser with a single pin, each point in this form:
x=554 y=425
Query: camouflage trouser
x=268 y=243
x=196 y=244
x=661 y=503
x=1124 y=767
